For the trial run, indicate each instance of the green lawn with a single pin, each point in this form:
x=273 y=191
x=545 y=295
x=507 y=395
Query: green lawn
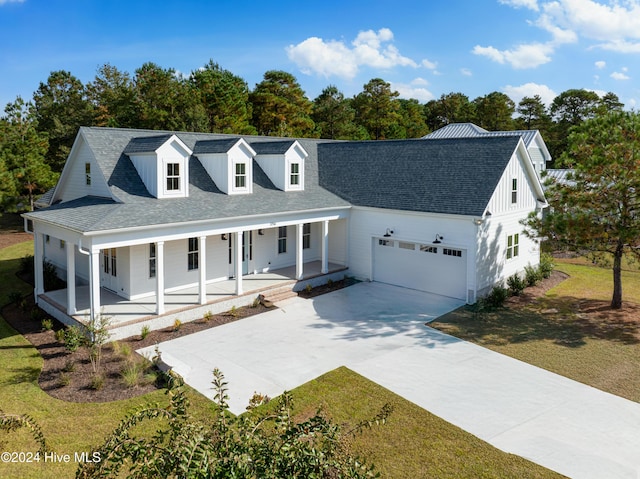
x=414 y=443
x=602 y=351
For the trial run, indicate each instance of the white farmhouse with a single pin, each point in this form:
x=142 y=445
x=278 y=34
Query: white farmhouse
x=150 y=226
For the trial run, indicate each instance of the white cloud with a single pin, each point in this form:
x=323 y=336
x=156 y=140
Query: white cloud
x=517 y=93
x=530 y=4
x=466 y=72
x=620 y=76
x=3 y=2
x=332 y=57
x=523 y=56
x=429 y=65
x=600 y=64
x=416 y=89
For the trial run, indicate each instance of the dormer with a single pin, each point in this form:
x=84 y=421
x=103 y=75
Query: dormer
x=229 y=163
x=283 y=163
x=162 y=163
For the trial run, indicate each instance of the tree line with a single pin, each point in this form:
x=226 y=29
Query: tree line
x=36 y=135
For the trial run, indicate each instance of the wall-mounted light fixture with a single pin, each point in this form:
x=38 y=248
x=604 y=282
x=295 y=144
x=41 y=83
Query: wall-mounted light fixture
x=223 y=237
x=438 y=239
x=260 y=232
x=388 y=233
x=478 y=221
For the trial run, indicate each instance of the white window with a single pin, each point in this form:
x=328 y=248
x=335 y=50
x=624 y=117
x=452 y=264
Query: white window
x=306 y=236
x=152 y=260
x=173 y=176
x=294 y=178
x=241 y=175
x=282 y=239
x=514 y=190
x=452 y=252
x=383 y=242
x=87 y=174
x=192 y=256
x=513 y=245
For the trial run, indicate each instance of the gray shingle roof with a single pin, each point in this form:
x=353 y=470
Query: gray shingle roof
x=271 y=147
x=214 y=146
x=452 y=176
x=146 y=144
x=135 y=207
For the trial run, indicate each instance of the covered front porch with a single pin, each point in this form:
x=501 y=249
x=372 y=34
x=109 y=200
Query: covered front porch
x=127 y=317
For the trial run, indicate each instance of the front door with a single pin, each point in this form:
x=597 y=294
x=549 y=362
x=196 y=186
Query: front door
x=109 y=273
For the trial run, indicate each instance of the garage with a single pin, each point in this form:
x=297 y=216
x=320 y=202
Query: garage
x=425 y=267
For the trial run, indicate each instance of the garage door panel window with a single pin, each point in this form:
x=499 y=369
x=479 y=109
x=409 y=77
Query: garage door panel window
x=383 y=242
x=428 y=249
x=452 y=252
x=405 y=245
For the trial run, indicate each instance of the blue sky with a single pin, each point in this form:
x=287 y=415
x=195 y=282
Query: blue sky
x=424 y=49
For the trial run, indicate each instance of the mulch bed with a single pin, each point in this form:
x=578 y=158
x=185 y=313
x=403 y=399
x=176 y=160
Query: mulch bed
x=62 y=381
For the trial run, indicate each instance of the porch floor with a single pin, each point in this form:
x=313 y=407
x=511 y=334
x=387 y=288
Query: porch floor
x=122 y=311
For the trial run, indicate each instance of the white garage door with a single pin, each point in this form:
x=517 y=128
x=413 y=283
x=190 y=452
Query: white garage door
x=426 y=267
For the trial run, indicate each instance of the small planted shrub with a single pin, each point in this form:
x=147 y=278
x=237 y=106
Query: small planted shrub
x=206 y=317
x=256 y=302
x=258 y=399
x=134 y=373
x=233 y=312
x=177 y=324
x=60 y=333
x=69 y=366
x=97 y=382
x=516 y=284
x=122 y=350
x=329 y=282
x=64 y=379
x=546 y=265
x=36 y=314
x=73 y=338
x=532 y=275
x=308 y=288
x=144 y=332
x=47 y=324
x=26 y=265
x=497 y=296
x=15 y=297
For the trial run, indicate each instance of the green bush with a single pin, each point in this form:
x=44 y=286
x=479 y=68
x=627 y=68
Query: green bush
x=515 y=284
x=144 y=332
x=73 y=338
x=15 y=297
x=546 y=265
x=497 y=296
x=47 y=324
x=532 y=275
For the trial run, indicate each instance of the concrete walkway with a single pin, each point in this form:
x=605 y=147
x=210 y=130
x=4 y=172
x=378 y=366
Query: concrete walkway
x=378 y=331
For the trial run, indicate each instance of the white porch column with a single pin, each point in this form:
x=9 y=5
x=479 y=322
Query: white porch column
x=71 y=278
x=94 y=285
x=202 y=266
x=299 y=256
x=238 y=262
x=38 y=240
x=325 y=247
x=159 y=277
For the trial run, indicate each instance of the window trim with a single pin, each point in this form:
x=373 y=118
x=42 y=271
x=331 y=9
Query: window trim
x=294 y=176
x=282 y=239
x=306 y=236
x=153 y=257
x=193 y=249
x=172 y=175
x=240 y=177
x=514 y=191
x=513 y=246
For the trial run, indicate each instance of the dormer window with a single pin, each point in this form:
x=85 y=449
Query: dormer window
x=241 y=175
x=294 y=178
x=87 y=174
x=173 y=176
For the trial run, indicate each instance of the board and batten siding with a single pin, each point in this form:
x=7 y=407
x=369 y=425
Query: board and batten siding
x=147 y=168
x=74 y=184
x=338 y=246
x=500 y=202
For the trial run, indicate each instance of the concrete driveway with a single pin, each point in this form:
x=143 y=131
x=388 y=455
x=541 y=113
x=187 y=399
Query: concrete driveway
x=378 y=331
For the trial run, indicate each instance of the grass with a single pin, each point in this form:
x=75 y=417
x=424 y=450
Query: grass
x=414 y=443
x=554 y=333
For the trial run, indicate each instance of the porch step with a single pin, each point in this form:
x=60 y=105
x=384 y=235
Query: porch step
x=268 y=298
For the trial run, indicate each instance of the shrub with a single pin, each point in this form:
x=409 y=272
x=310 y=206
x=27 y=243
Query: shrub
x=135 y=371
x=51 y=279
x=206 y=317
x=47 y=324
x=15 y=297
x=256 y=302
x=64 y=379
x=122 y=350
x=532 y=275
x=329 y=282
x=144 y=332
x=97 y=382
x=26 y=265
x=497 y=296
x=69 y=366
x=546 y=265
x=308 y=288
x=516 y=284
x=177 y=324
x=36 y=314
x=60 y=334
x=73 y=338
x=233 y=311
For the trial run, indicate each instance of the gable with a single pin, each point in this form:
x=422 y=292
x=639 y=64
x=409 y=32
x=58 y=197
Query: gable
x=81 y=175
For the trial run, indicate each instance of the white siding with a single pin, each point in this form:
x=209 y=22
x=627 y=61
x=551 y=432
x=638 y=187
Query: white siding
x=366 y=224
x=74 y=184
x=500 y=202
x=217 y=166
x=147 y=168
x=274 y=167
x=338 y=248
